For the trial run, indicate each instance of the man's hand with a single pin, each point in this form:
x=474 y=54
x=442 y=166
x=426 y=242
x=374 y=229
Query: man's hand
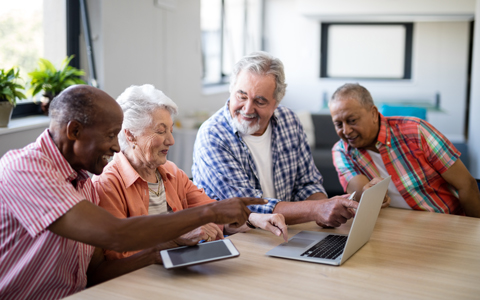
x=208 y=232
x=374 y=181
x=274 y=223
x=334 y=211
x=233 y=211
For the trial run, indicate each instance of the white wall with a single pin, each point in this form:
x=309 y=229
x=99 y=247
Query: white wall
x=55 y=30
x=13 y=139
x=474 y=120
x=137 y=42
x=440 y=54
x=385 y=8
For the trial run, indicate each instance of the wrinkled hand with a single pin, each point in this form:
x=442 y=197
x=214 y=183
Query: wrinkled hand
x=234 y=211
x=334 y=211
x=275 y=223
x=208 y=232
x=374 y=181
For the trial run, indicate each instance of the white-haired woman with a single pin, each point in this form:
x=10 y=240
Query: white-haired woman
x=141 y=181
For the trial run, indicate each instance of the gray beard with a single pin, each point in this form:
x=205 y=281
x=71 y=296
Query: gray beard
x=244 y=126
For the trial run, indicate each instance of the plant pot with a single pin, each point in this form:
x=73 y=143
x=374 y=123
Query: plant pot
x=5 y=113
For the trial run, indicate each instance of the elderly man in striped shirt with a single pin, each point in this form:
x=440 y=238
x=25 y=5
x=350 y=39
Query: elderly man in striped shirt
x=50 y=223
x=426 y=172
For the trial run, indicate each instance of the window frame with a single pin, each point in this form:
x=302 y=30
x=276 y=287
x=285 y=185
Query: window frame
x=32 y=108
x=324 y=34
x=224 y=79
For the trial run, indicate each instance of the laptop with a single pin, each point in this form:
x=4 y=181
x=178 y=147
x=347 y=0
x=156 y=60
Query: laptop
x=332 y=248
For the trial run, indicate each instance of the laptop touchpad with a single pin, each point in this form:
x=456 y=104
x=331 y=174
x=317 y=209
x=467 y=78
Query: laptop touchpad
x=298 y=242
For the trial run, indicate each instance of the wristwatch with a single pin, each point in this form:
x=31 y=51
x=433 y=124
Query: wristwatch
x=249 y=224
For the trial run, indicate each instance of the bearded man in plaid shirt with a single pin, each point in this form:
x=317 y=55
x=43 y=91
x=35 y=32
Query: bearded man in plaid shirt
x=426 y=172
x=257 y=148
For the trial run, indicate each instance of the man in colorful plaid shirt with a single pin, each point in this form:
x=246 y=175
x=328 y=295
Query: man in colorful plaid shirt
x=254 y=147
x=424 y=165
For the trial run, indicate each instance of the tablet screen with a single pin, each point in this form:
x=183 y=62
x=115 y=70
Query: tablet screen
x=200 y=253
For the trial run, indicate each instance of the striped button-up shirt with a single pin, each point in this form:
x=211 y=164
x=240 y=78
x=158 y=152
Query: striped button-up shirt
x=415 y=154
x=35 y=190
x=224 y=166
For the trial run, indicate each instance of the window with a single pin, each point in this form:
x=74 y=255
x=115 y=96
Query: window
x=366 y=50
x=30 y=29
x=21 y=34
x=230 y=30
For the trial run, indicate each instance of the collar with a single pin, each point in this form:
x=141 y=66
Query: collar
x=384 y=135
x=130 y=175
x=51 y=150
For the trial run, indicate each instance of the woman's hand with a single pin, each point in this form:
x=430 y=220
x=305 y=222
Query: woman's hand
x=274 y=223
x=208 y=232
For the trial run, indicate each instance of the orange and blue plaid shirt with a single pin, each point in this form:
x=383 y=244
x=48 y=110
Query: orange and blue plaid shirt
x=415 y=154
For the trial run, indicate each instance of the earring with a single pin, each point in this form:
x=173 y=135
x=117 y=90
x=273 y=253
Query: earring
x=134 y=145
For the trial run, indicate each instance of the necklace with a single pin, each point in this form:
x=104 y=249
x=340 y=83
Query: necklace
x=157 y=193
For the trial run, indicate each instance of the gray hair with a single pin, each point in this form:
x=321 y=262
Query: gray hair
x=138 y=103
x=353 y=90
x=74 y=103
x=262 y=63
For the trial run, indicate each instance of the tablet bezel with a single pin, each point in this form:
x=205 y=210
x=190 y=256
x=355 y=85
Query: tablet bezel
x=167 y=262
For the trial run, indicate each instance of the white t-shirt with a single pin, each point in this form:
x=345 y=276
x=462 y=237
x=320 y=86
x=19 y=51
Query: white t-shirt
x=395 y=196
x=261 y=149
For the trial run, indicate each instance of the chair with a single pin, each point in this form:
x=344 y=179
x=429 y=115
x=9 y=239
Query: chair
x=404 y=111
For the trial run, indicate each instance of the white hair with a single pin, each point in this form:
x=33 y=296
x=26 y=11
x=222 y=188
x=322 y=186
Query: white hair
x=262 y=63
x=138 y=103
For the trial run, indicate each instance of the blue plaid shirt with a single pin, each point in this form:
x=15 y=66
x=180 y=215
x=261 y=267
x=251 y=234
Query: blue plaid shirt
x=224 y=167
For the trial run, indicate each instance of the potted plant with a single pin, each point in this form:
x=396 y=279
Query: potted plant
x=9 y=93
x=52 y=81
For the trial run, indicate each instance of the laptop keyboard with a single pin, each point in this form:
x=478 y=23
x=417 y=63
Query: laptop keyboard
x=330 y=247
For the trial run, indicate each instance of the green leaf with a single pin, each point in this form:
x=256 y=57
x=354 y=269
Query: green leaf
x=53 y=80
x=48 y=65
x=20 y=95
x=9 y=88
x=7 y=92
x=36 y=90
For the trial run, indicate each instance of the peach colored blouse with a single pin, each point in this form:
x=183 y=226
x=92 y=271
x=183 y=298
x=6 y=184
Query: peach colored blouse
x=125 y=194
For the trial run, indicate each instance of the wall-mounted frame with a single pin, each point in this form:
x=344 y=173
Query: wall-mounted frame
x=366 y=50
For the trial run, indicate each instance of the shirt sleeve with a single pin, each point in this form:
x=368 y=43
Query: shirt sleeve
x=219 y=171
x=344 y=164
x=195 y=196
x=114 y=201
x=439 y=151
x=308 y=180
x=38 y=196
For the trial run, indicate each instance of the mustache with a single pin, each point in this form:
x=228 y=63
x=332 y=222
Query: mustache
x=254 y=115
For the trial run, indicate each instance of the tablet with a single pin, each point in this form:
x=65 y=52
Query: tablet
x=198 y=254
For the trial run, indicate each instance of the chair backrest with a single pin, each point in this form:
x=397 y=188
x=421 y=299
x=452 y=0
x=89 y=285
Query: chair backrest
x=403 y=111
x=325 y=134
